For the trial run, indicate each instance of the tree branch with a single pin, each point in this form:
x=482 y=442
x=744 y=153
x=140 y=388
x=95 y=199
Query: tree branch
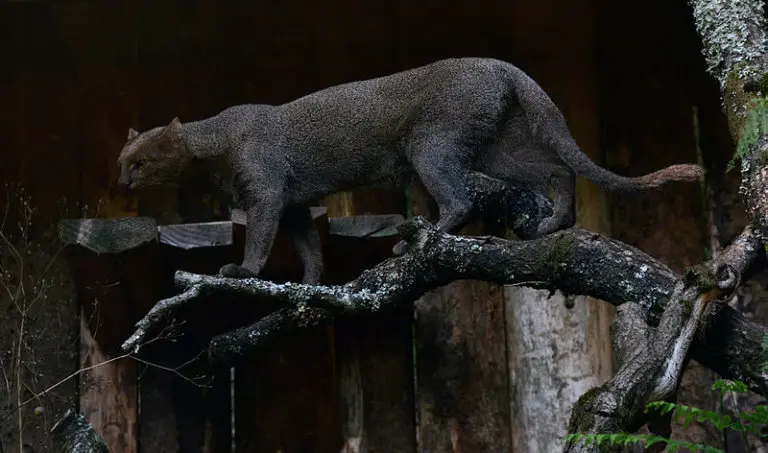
x=73 y=434
x=651 y=360
x=575 y=261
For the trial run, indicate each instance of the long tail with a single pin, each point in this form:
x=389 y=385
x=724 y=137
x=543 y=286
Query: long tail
x=550 y=128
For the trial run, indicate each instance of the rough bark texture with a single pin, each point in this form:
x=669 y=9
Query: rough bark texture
x=73 y=434
x=734 y=43
x=734 y=37
x=651 y=360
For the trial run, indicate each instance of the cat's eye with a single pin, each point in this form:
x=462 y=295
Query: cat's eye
x=138 y=164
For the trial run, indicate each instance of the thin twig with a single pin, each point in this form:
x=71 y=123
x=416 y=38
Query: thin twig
x=172 y=370
x=18 y=363
x=5 y=376
x=162 y=335
x=97 y=365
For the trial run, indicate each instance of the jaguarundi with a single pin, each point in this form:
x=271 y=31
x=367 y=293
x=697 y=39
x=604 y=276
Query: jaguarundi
x=437 y=122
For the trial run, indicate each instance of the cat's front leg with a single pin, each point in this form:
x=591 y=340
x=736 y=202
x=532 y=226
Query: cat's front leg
x=263 y=219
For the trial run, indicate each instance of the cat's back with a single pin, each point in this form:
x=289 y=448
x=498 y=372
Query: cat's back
x=405 y=84
x=388 y=98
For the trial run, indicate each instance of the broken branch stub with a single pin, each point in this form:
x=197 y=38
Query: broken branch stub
x=73 y=434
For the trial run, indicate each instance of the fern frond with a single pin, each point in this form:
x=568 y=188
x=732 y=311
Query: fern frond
x=626 y=440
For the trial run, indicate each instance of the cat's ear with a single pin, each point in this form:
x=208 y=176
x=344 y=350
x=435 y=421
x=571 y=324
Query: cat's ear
x=175 y=125
x=170 y=138
x=132 y=133
x=173 y=130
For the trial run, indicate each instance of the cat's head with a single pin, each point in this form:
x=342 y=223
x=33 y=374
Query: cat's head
x=154 y=157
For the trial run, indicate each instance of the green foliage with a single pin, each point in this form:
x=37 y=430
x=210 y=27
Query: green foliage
x=627 y=440
x=744 y=422
x=755 y=125
x=748 y=422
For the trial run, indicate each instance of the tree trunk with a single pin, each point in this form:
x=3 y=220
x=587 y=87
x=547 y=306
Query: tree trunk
x=734 y=38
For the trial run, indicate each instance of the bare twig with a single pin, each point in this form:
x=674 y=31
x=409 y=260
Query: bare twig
x=49 y=389
x=19 y=380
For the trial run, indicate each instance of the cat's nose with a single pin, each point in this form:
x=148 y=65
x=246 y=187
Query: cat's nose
x=124 y=181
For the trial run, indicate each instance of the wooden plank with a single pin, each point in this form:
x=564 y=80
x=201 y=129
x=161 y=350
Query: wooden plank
x=157 y=418
x=364 y=226
x=178 y=415
x=461 y=374
x=218 y=424
x=195 y=236
x=374 y=358
x=286 y=397
x=113 y=263
x=375 y=374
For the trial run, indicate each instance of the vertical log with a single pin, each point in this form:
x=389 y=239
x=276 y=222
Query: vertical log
x=285 y=398
x=113 y=263
x=176 y=414
x=558 y=345
x=461 y=392
x=374 y=359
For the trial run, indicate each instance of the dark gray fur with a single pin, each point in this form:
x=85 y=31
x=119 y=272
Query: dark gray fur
x=437 y=122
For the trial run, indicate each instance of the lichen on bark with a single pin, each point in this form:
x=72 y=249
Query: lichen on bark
x=754 y=127
x=733 y=36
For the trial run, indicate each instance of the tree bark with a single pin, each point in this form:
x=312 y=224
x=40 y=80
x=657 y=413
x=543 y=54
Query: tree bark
x=651 y=360
x=734 y=35
x=73 y=434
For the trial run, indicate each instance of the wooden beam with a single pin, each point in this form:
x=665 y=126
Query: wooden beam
x=178 y=415
x=461 y=376
x=113 y=264
x=374 y=358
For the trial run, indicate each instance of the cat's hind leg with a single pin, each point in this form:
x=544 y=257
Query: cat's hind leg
x=563 y=190
x=442 y=170
x=553 y=180
x=297 y=221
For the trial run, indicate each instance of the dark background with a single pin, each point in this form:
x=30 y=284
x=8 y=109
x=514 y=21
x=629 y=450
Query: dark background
x=77 y=74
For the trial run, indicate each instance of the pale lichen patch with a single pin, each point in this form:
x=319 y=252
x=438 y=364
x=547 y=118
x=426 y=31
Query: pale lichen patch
x=733 y=34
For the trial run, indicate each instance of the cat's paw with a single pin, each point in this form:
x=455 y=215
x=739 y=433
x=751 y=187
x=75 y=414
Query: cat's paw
x=400 y=248
x=235 y=271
